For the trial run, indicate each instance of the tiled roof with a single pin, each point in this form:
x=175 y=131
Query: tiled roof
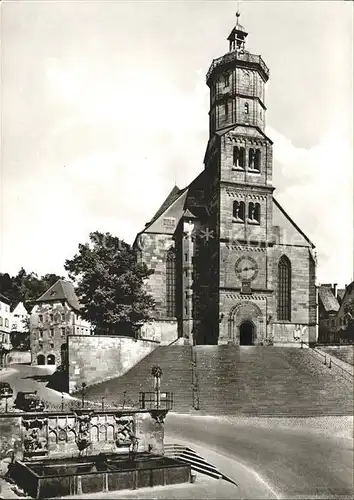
x=174 y=194
x=329 y=302
x=292 y=222
x=61 y=290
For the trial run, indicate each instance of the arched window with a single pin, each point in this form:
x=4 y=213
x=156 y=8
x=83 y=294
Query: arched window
x=247 y=108
x=257 y=160
x=171 y=283
x=284 y=289
x=238 y=212
x=254 y=159
x=254 y=213
x=40 y=359
x=251 y=154
x=239 y=157
x=50 y=359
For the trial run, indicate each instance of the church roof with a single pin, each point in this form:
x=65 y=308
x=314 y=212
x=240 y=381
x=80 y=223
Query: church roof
x=293 y=223
x=61 y=290
x=174 y=194
x=326 y=296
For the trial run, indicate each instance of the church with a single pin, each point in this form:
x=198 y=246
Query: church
x=230 y=265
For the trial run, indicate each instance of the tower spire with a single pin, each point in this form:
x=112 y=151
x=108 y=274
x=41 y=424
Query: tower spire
x=238 y=35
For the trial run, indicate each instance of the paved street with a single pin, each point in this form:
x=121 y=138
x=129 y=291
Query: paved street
x=31 y=378
x=294 y=463
x=291 y=463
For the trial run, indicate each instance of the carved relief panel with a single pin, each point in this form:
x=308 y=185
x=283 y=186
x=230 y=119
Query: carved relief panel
x=35 y=436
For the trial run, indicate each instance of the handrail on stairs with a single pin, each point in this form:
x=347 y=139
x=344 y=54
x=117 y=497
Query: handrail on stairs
x=330 y=362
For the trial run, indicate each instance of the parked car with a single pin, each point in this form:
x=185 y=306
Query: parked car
x=28 y=401
x=5 y=390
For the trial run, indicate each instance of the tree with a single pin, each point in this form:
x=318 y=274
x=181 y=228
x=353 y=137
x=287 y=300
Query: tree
x=25 y=287
x=110 y=284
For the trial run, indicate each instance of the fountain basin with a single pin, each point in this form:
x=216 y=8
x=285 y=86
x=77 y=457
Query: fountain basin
x=57 y=477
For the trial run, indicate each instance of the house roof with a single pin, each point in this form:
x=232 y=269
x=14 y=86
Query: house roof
x=329 y=302
x=4 y=299
x=19 y=307
x=61 y=290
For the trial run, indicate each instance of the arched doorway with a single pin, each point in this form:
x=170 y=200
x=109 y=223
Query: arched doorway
x=246 y=333
x=51 y=359
x=40 y=359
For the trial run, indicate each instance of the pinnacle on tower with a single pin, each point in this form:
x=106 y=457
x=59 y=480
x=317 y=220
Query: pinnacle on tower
x=237 y=36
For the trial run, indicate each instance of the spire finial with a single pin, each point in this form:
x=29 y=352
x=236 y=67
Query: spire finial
x=238 y=11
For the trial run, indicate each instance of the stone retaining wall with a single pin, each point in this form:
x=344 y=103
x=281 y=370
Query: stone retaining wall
x=96 y=358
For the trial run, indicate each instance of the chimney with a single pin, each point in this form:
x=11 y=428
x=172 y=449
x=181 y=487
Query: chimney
x=334 y=289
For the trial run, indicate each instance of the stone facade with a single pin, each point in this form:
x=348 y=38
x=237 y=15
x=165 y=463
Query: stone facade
x=54 y=317
x=244 y=272
x=96 y=358
x=58 y=434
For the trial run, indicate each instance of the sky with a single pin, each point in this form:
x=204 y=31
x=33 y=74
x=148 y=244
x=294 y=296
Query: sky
x=104 y=107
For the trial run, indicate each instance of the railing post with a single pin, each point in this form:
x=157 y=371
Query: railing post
x=83 y=394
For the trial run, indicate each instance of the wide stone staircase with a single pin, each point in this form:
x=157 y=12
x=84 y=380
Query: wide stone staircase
x=272 y=381
x=246 y=380
x=175 y=362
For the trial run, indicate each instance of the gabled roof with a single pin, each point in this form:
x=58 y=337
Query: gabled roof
x=326 y=296
x=61 y=290
x=188 y=214
x=293 y=223
x=174 y=194
x=19 y=308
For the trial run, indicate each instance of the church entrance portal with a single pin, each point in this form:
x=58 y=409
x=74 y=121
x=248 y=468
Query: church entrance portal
x=246 y=333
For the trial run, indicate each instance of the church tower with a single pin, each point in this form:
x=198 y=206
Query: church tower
x=230 y=265
x=239 y=165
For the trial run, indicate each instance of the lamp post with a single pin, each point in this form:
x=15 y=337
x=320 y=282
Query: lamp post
x=83 y=394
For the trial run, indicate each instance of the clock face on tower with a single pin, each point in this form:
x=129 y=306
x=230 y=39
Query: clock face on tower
x=246 y=268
